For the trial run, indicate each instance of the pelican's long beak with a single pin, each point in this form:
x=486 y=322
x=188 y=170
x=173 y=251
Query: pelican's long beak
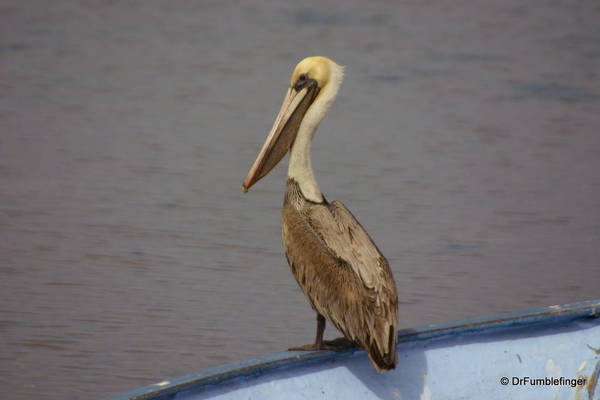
x=283 y=133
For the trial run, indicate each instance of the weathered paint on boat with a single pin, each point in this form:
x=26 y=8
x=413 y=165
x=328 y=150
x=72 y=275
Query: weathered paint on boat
x=469 y=359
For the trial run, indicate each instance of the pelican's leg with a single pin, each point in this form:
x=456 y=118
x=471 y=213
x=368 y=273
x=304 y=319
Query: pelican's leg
x=319 y=344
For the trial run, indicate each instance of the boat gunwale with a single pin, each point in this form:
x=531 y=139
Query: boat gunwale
x=256 y=366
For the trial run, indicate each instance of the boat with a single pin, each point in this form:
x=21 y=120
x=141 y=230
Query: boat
x=548 y=353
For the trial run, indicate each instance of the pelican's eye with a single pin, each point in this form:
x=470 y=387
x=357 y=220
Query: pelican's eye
x=301 y=82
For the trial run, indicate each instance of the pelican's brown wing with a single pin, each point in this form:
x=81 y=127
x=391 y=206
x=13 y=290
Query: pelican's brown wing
x=343 y=273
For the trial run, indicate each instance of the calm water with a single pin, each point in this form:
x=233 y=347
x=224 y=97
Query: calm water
x=465 y=138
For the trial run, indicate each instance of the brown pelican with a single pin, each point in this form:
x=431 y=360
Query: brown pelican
x=338 y=267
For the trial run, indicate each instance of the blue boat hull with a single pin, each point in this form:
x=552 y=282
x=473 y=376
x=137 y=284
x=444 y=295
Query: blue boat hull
x=551 y=353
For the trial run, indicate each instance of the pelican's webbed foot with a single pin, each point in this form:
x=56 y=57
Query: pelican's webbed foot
x=340 y=343
x=320 y=344
x=312 y=347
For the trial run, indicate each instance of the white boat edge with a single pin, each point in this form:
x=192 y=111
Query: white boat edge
x=557 y=314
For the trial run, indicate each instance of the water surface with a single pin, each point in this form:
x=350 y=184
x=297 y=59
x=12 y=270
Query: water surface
x=465 y=138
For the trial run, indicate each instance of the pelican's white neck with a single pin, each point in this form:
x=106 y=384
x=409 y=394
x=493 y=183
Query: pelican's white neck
x=300 y=168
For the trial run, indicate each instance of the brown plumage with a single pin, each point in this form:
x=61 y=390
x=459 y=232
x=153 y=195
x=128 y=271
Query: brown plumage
x=342 y=273
x=338 y=267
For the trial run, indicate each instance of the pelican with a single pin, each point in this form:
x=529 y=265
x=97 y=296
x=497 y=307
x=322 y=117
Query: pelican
x=346 y=279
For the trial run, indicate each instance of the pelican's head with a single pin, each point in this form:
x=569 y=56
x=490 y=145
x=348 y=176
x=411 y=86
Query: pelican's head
x=319 y=69
x=313 y=87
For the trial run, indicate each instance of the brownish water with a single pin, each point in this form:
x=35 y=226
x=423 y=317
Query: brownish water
x=465 y=138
